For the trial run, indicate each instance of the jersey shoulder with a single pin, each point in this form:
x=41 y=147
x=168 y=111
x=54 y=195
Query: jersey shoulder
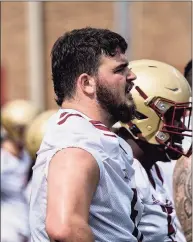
x=70 y=129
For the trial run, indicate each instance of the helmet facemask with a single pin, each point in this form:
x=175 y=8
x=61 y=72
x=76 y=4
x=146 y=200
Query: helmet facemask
x=175 y=124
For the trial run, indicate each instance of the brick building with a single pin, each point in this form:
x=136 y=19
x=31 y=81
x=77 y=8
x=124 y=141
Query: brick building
x=158 y=30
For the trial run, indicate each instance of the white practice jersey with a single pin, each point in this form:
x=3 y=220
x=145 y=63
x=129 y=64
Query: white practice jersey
x=14 y=208
x=158 y=219
x=115 y=209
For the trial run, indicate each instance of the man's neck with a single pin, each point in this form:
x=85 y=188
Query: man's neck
x=90 y=109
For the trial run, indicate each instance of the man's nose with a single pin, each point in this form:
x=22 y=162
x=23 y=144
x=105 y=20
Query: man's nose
x=131 y=76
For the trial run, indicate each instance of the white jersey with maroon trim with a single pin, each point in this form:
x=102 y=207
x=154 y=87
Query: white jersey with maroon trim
x=115 y=210
x=158 y=219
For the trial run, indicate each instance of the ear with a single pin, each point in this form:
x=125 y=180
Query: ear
x=86 y=84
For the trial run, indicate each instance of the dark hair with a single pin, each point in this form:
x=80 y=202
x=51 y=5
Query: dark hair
x=79 y=51
x=188 y=72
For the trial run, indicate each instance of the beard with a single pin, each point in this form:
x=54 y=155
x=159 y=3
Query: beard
x=116 y=111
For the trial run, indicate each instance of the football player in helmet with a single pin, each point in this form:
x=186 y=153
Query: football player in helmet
x=33 y=138
x=161 y=95
x=15 y=116
x=15 y=162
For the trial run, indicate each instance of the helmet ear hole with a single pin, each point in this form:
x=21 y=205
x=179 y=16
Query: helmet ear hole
x=140 y=116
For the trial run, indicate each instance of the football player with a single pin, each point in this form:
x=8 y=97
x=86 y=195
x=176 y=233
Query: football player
x=15 y=162
x=83 y=182
x=161 y=95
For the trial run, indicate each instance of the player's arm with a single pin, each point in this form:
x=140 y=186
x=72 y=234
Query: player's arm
x=182 y=180
x=72 y=180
